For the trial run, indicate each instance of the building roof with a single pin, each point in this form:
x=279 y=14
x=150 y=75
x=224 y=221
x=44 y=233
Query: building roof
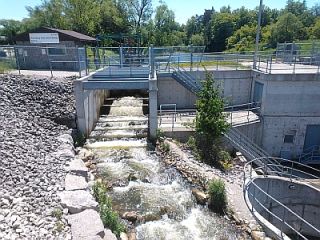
x=65 y=35
x=80 y=36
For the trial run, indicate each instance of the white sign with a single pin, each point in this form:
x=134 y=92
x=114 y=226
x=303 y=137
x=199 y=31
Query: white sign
x=44 y=37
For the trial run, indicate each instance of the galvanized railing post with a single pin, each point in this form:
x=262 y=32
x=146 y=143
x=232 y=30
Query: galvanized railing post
x=121 y=56
x=294 y=64
x=270 y=65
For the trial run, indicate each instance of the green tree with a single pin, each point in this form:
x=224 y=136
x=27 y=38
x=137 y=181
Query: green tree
x=222 y=27
x=243 y=39
x=197 y=40
x=165 y=25
x=210 y=119
x=287 y=29
x=9 y=29
x=83 y=15
x=316 y=29
x=113 y=18
x=139 y=12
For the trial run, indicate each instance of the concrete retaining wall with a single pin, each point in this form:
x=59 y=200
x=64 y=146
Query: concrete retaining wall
x=275 y=128
x=300 y=198
x=88 y=103
x=172 y=92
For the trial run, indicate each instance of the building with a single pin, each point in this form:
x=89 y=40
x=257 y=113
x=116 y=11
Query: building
x=50 y=48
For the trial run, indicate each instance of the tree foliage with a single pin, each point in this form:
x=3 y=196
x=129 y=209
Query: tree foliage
x=210 y=119
x=226 y=29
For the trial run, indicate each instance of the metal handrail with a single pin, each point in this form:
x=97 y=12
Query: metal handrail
x=249 y=180
x=280 y=204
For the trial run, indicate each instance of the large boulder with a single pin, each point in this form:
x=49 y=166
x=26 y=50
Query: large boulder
x=77 y=201
x=86 y=225
x=200 y=196
x=74 y=182
x=77 y=167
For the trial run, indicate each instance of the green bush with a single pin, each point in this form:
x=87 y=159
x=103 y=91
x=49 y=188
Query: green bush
x=109 y=217
x=218 y=197
x=224 y=159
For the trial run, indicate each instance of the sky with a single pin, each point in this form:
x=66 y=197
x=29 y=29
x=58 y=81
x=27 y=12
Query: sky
x=183 y=9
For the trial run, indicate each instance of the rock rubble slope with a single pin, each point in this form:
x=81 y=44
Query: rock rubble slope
x=36 y=115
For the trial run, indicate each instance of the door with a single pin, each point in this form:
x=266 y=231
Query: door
x=257 y=92
x=312 y=137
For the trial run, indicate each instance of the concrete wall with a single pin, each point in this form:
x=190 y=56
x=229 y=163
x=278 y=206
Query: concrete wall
x=289 y=104
x=275 y=128
x=172 y=92
x=88 y=104
x=292 y=195
x=235 y=88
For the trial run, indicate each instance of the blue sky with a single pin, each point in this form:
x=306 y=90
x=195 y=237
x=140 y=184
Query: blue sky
x=15 y=9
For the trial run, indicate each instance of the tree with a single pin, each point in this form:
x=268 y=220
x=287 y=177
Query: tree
x=49 y=14
x=316 y=29
x=210 y=121
x=83 y=15
x=243 y=39
x=165 y=25
x=9 y=29
x=197 y=40
x=139 y=12
x=222 y=27
x=288 y=29
x=113 y=18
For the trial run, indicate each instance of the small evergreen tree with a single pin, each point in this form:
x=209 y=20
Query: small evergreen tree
x=210 y=122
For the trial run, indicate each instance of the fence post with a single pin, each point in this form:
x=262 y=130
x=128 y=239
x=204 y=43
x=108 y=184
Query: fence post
x=294 y=64
x=121 y=56
x=237 y=61
x=16 y=53
x=152 y=62
x=270 y=65
x=79 y=61
x=50 y=66
x=86 y=59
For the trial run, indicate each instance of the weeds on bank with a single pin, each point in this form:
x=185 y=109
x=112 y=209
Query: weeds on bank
x=109 y=217
x=217 y=196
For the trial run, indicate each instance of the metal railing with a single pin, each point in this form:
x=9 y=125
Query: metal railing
x=287 y=169
x=310 y=155
x=242 y=111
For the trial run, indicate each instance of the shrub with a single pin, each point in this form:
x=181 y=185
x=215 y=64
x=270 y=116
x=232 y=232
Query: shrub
x=109 y=217
x=218 y=197
x=224 y=159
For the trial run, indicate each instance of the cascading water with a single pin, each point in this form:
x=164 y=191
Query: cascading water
x=141 y=183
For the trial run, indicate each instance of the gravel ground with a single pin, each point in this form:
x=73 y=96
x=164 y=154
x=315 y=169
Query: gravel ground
x=34 y=112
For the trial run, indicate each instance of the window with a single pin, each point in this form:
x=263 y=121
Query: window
x=57 y=51
x=288 y=138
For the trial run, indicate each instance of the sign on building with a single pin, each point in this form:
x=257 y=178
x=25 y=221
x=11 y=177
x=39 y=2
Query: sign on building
x=44 y=37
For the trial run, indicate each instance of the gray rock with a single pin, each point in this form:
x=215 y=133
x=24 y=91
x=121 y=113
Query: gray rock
x=77 y=201
x=200 y=196
x=73 y=182
x=86 y=225
x=77 y=167
x=108 y=235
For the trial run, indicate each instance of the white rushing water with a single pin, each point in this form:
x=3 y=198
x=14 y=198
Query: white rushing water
x=143 y=184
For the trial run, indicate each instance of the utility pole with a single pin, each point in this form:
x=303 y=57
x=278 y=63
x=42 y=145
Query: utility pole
x=257 y=36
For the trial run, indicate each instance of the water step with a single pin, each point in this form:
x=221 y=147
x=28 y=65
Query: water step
x=117 y=134
x=118 y=144
x=112 y=99
x=134 y=127
x=110 y=105
x=108 y=118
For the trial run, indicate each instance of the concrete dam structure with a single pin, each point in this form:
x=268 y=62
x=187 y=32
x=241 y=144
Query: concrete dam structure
x=271 y=109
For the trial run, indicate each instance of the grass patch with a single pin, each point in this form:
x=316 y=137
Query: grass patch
x=6 y=67
x=218 y=196
x=212 y=64
x=109 y=217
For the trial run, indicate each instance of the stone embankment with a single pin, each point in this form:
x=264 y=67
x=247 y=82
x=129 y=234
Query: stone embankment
x=36 y=115
x=43 y=184
x=200 y=174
